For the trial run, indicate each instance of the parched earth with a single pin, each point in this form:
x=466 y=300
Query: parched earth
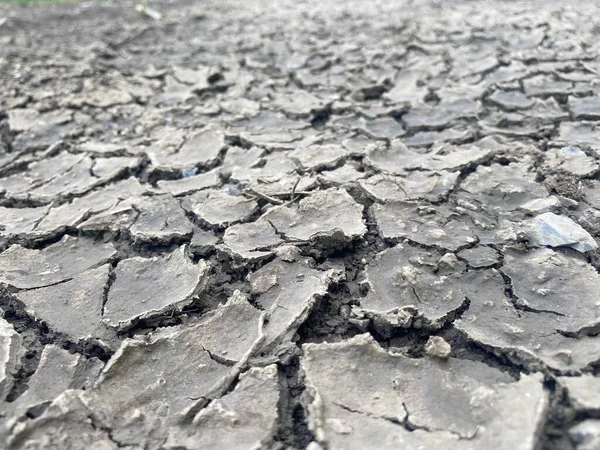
x=300 y=225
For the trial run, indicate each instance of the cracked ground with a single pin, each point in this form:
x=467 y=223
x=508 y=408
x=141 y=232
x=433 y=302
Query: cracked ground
x=300 y=225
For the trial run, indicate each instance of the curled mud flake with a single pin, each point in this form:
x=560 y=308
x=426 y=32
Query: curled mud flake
x=77 y=211
x=106 y=169
x=542 y=205
x=578 y=133
x=53 y=171
x=585 y=108
x=499 y=189
x=511 y=99
x=119 y=217
x=398 y=159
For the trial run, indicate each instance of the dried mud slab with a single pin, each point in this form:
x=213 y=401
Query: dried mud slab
x=200 y=149
x=287 y=289
x=582 y=392
x=416 y=186
x=526 y=337
x=244 y=418
x=318 y=156
x=219 y=208
x=66 y=423
x=145 y=288
x=480 y=256
x=252 y=240
x=422 y=224
x=398 y=158
x=25 y=268
x=191 y=184
x=82 y=209
x=161 y=219
x=73 y=308
x=169 y=387
x=404 y=290
x=544 y=280
x=572 y=160
x=330 y=216
x=500 y=189
x=10 y=355
x=178 y=370
x=360 y=395
x=57 y=371
x=232 y=331
x=20 y=222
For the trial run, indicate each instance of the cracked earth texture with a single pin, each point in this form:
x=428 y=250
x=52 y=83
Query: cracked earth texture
x=300 y=225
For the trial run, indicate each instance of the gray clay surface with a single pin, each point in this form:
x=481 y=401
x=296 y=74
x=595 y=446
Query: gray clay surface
x=289 y=225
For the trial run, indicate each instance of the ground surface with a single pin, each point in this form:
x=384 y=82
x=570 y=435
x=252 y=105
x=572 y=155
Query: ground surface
x=300 y=225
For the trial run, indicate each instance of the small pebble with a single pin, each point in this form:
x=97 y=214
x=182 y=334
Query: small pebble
x=438 y=347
